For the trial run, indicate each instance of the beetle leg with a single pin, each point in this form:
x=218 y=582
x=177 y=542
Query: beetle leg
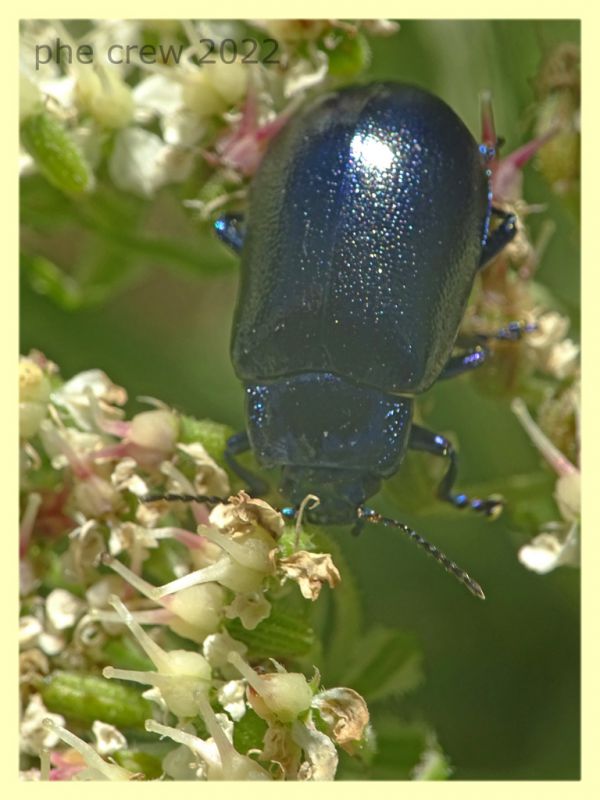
x=499 y=237
x=479 y=353
x=429 y=442
x=230 y=229
x=464 y=362
x=236 y=444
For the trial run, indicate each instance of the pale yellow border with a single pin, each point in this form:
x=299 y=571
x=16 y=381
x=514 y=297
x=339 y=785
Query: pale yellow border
x=508 y=9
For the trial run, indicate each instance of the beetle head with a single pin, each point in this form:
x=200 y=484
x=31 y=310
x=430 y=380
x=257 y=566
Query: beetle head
x=340 y=492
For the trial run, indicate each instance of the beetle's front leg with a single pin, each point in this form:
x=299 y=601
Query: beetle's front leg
x=429 y=442
x=236 y=444
x=230 y=229
x=480 y=353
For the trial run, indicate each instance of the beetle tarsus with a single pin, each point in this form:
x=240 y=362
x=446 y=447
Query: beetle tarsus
x=500 y=237
x=514 y=331
x=230 y=230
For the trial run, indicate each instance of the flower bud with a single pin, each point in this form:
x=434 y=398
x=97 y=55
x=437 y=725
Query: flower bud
x=34 y=393
x=103 y=95
x=194 y=610
x=180 y=674
x=215 y=88
x=280 y=695
x=155 y=430
x=223 y=762
x=95 y=497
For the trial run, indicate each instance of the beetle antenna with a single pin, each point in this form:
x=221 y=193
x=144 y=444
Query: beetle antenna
x=170 y=497
x=368 y=515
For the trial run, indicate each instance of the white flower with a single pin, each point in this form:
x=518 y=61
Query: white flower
x=557 y=546
x=232 y=696
x=281 y=696
x=125 y=477
x=29 y=629
x=251 y=608
x=304 y=74
x=101 y=93
x=158 y=95
x=34 y=393
x=34 y=736
x=141 y=162
x=63 y=609
x=108 y=739
x=180 y=674
x=321 y=756
x=78 y=394
x=193 y=611
x=558 y=543
x=133 y=163
x=214 y=88
x=551 y=350
x=216 y=649
x=210 y=478
x=222 y=761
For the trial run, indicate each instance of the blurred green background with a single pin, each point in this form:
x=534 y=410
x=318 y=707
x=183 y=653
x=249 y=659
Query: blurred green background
x=502 y=677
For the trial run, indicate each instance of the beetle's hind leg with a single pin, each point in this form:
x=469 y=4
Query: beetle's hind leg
x=429 y=442
x=500 y=236
x=230 y=229
x=237 y=444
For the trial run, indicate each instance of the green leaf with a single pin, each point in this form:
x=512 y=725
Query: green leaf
x=48 y=279
x=89 y=697
x=342 y=618
x=212 y=435
x=281 y=635
x=385 y=662
x=405 y=751
x=248 y=732
x=160 y=565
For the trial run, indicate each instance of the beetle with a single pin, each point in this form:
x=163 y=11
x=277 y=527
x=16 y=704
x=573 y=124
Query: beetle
x=368 y=220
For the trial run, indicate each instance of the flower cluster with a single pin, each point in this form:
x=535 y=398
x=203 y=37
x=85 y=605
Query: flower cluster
x=90 y=546
x=159 y=123
x=542 y=370
x=558 y=542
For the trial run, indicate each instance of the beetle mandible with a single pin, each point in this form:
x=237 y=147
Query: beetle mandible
x=367 y=222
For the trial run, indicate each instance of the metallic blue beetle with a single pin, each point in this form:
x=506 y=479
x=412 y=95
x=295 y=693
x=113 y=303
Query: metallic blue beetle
x=368 y=220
